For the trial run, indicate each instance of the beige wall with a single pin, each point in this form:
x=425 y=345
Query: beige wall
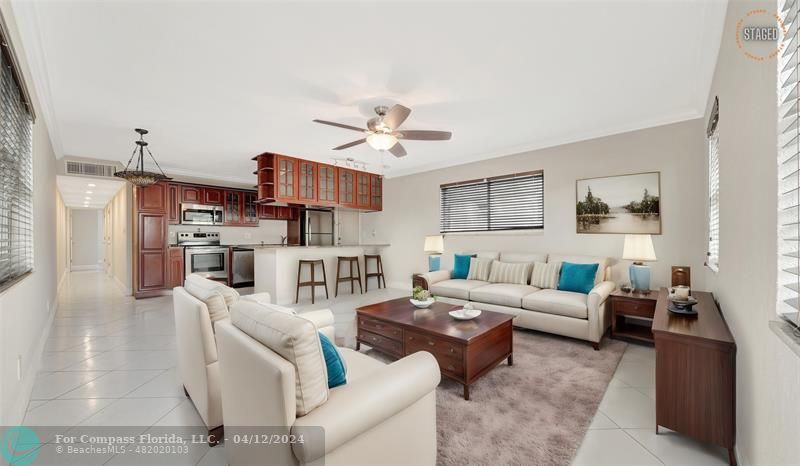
x=26 y=308
x=118 y=237
x=411 y=204
x=768 y=373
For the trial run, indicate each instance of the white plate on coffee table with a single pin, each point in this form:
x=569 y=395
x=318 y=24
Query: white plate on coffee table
x=459 y=314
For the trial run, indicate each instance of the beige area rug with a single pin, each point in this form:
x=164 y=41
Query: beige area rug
x=535 y=412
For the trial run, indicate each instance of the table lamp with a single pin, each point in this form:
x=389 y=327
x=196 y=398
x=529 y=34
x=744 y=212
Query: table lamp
x=434 y=247
x=639 y=248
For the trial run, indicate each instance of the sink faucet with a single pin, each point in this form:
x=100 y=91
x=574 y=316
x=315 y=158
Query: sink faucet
x=284 y=240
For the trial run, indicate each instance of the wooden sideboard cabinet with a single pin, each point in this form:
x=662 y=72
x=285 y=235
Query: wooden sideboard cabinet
x=696 y=373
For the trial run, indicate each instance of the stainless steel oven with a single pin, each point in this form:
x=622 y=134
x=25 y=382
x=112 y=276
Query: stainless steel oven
x=203 y=255
x=198 y=214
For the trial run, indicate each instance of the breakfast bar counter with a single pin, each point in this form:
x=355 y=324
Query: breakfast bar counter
x=276 y=268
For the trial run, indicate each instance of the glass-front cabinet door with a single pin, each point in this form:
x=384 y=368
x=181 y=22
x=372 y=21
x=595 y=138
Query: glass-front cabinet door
x=233 y=207
x=287 y=178
x=347 y=192
x=362 y=190
x=307 y=181
x=250 y=209
x=326 y=182
x=376 y=192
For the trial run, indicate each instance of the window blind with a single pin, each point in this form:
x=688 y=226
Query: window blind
x=712 y=259
x=788 y=167
x=512 y=202
x=16 y=176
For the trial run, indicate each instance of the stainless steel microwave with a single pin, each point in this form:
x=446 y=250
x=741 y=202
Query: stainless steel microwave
x=197 y=214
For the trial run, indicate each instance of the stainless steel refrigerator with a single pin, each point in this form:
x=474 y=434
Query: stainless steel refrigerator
x=316 y=227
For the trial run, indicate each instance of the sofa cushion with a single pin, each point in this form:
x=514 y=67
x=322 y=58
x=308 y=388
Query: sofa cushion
x=295 y=339
x=215 y=303
x=503 y=294
x=506 y=272
x=577 y=277
x=358 y=364
x=479 y=269
x=456 y=288
x=337 y=370
x=545 y=275
x=603 y=263
x=563 y=303
x=230 y=295
x=526 y=257
x=461 y=265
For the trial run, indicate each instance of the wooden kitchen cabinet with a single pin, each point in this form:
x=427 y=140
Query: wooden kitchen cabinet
x=376 y=192
x=347 y=187
x=213 y=196
x=192 y=195
x=152 y=198
x=233 y=208
x=363 y=194
x=174 y=204
x=286 y=176
x=175 y=268
x=151 y=252
x=250 y=210
x=307 y=182
x=327 y=186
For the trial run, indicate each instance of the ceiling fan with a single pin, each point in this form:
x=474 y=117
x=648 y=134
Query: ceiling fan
x=383 y=133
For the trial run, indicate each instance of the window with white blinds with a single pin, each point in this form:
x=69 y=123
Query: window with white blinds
x=712 y=254
x=511 y=202
x=788 y=168
x=16 y=175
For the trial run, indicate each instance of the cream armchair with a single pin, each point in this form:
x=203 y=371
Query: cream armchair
x=198 y=366
x=384 y=414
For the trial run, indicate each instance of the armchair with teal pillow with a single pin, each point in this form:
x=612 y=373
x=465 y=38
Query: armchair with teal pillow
x=577 y=277
x=461 y=266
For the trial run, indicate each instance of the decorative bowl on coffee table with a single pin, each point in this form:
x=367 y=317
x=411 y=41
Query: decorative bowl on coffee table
x=422 y=304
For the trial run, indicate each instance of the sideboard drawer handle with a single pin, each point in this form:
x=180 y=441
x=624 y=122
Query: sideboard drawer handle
x=451 y=368
x=378 y=326
x=452 y=350
x=410 y=338
x=431 y=343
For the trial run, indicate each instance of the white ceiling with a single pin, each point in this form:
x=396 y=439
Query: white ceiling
x=75 y=189
x=218 y=82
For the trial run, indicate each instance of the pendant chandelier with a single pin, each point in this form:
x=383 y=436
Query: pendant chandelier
x=137 y=175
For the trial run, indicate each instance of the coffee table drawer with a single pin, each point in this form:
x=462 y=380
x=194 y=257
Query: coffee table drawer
x=438 y=347
x=380 y=342
x=634 y=308
x=381 y=328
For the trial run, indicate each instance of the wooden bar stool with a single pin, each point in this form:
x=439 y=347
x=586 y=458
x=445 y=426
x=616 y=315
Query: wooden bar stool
x=378 y=273
x=351 y=278
x=313 y=282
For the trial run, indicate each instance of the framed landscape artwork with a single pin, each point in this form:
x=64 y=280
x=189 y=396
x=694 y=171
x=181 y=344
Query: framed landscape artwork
x=624 y=204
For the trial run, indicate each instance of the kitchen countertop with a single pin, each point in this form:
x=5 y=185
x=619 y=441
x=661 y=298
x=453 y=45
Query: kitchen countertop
x=281 y=246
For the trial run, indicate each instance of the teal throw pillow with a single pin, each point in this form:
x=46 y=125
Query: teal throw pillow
x=577 y=277
x=461 y=265
x=337 y=371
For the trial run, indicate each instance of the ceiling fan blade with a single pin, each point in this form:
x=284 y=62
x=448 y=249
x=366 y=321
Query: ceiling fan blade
x=396 y=116
x=424 y=135
x=398 y=150
x=351 y=144
x=339 y=125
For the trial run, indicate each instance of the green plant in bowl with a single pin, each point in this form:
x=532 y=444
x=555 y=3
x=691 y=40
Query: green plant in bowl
x=421 y=294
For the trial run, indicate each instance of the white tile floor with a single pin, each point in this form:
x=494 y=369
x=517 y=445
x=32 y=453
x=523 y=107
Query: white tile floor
x=110 y=360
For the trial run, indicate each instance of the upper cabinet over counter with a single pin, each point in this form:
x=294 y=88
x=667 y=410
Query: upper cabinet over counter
x=297 y=181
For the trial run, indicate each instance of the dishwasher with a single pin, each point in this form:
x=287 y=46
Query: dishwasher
x=242 y=267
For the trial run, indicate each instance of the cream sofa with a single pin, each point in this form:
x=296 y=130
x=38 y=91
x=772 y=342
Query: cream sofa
x=576 y=315
x=384 y=414
x=198 y=365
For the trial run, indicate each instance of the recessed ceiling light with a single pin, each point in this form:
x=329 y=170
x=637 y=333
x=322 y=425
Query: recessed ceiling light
x=88 y=192
x=91 y=185
x=88 y=198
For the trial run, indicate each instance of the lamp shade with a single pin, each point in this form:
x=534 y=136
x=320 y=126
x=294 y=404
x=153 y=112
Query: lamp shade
x=638 y=248
x=434 y=244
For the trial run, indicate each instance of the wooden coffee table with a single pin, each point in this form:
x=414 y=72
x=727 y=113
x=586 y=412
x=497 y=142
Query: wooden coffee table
x=464 y=349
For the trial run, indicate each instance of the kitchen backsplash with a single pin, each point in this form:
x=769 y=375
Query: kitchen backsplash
x=268 y=231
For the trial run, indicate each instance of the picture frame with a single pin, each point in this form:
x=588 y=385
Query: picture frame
x=619 y=204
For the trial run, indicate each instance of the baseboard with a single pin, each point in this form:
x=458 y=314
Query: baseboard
x=126 y=290
x=33 y=369
x=80 y=268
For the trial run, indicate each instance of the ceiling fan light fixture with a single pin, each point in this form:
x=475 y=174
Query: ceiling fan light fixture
x=381 y=141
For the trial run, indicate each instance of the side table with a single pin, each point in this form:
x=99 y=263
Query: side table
x=641 y=305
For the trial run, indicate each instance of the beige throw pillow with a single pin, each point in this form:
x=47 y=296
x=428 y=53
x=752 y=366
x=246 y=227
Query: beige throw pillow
x=479 y=269
x=507 y=272
x=230 y=295
x=295 y=339
x=217 y=309
x=545 y=275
